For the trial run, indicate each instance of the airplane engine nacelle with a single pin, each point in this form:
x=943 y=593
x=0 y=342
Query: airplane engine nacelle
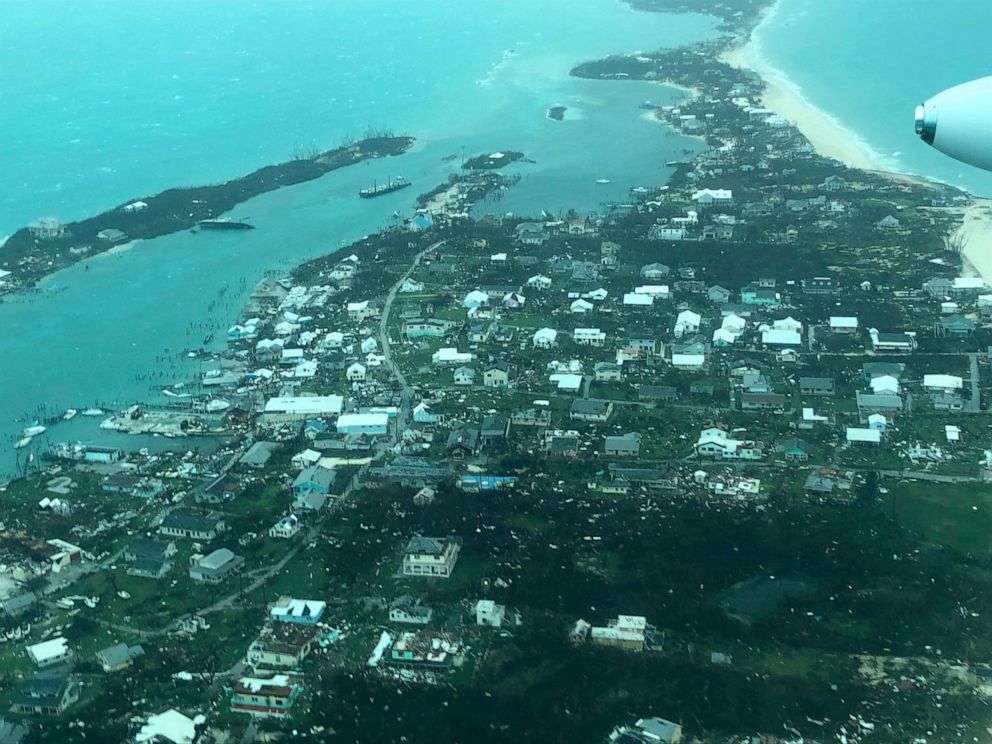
x=958 y=122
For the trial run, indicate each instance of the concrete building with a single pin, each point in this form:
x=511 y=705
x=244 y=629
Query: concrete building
x=375 y=424
x=433 y=557
x=215 y=567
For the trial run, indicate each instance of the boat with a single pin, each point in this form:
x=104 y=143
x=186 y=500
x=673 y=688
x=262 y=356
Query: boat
x=22 y=443
x=223 y=223
x=70 y=414
x=602 y=180
x=671 y=163
x=33 y=431
x=93 y=412
x=393 y=184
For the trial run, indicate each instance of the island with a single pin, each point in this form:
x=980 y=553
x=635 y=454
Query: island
x=49 y=245
x=557 y=113
x=492 y=161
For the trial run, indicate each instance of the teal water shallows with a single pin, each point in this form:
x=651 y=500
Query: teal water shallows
x=869 y=63
x=248 y=91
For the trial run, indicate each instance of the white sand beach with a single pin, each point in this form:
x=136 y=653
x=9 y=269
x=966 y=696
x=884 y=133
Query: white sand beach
x=976 y=234
x=828 y=135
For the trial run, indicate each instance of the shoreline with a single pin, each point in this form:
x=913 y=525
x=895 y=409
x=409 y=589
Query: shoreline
x=828 y=136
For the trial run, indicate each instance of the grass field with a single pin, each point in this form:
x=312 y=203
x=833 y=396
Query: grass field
x=957 y=516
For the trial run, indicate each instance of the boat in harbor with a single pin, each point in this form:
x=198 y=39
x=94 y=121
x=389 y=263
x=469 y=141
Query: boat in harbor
x=224 y=223
x=671 y=163
x=70 y=414
x=393 y=184
x=22 y=443
x=33 y=431
x=93 y=412
x=602 y=180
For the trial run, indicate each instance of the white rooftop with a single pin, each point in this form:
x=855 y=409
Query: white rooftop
x=316 y=404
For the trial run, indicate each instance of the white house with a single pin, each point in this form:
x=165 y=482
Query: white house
x=688 y=361
x=863 y=436
x=285 y=528
x=50 y=652
x=781 y=338
x=687 y=322
x=363 y=423
x=710 y=197
x=788 y=324
x=715 y=441
x=580 y=307
x=451 y=355
x=843 y=324
x=356 y=372
x=885 y=385
x=475 y=298
x=545 y=338
x=431 y=556
x=411 y=286
x=490 y=614
x=661 y=291
x=589 y=337
x=942 y=383
x=539 y=281
x=359 y=311
x=633 y=299
x=464 y=376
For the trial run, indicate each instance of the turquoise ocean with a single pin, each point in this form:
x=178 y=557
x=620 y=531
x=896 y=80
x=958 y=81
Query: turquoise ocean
x=106 y=100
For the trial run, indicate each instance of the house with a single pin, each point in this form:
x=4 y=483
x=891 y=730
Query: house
x=640 y=346
x=149 y=549
x=464 y=376
x=297 y=611
x=871 y=370
x=752 y=294
x=955 y=325
x=17 y=604
x=888 y=223
x=654 y=271
x=692 y=362
x=170 y=727
x=489 y=614
x=718 y=294
x=414 y=328
x=833 y=183
x=449 y=355
x=636 y=299
x=825 y=482
x=715 y=442
x=626 y=631
x=545 y=338
x=314 y=479
x=282 y=646
x=496 y=374
x=422 y=651
x=763 y=401
x=406 y=609
x=432 y=557
x=531 y=233
x=375 y=424
x=820 y=285
x=581 y=307
x=259 y=454
x=539 y=281
x=816 y=386
x=117 y=657
x=711 y=197
x=687 y=323
x=44 y=695
x=657 y=392
x=356 y=372
x=892 y=342
x=869 y=403
x=607 y=372
x=560 y=443
x=361 y=311
x=843 y=324
x=480 y=333
x=538 y=417
x=589 y=337
x=775 y=337
x=192 y=526
x=795 y=449
x=285 y=528
x=628 y=445
x=942 y=383
x=863 y=436
x=264 y=698
x=51 y=652
x=594 y=411
x=411 y=286
x=493 y=430
x=463 y=441
x=651 y=731
x=309 y=502
x=215 y=567
x=885 y=385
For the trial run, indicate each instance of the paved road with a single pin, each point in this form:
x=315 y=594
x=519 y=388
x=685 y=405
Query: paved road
x=406 y=392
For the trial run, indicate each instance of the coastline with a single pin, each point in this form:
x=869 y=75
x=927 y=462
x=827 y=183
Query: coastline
x=827 y=134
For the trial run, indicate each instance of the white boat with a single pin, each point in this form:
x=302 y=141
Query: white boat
x=93 y=412
x=33 y=431
x=70 y=414
x=602 y=180
x=216 y=405
x=22 y=443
